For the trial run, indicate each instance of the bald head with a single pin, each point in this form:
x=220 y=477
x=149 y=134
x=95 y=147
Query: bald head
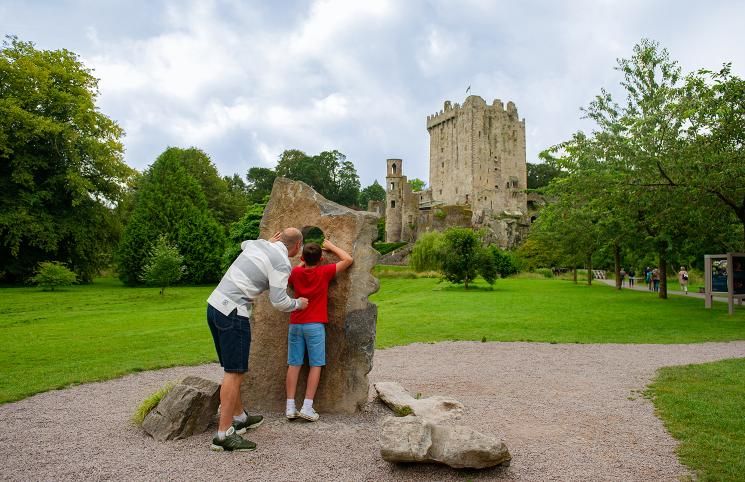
x=292 y=238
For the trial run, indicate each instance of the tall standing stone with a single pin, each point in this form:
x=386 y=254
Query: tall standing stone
x=350 y=333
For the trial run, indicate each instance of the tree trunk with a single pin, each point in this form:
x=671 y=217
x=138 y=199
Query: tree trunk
x=589 y=271
x=617 y=260
x=663 y=274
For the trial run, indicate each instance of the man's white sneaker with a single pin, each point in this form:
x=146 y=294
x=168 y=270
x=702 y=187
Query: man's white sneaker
x=291 y=414
x=309 y=414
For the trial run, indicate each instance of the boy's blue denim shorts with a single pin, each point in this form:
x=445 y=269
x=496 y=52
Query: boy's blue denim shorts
x=232 y=337
x=310 y=337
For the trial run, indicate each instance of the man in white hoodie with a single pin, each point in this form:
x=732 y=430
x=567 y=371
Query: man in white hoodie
x=261 y=266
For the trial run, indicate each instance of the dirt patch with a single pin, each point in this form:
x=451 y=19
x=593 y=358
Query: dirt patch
x=568 y=412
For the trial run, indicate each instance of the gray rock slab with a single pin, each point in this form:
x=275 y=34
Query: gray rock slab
x=350 y=333
x=184 y=411
x=414 y=439
x=434 y=409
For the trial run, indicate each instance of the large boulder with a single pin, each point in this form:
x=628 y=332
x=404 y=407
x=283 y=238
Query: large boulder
x=184 y=411
x=414 y=439
x=435 y=409
x=350 y=333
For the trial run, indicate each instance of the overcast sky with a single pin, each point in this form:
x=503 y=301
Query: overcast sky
x=245 y=80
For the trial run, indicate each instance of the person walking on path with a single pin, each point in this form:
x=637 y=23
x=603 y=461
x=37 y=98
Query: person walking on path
x=622 y=274
x=683 y=279
x=262 y=266
x=648 y=278
x=656 y=280
x=631 y=278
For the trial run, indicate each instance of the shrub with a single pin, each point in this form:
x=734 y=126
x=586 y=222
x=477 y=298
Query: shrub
x=52 y=274
x=385 y=248
x=150 y=403
x=545 y=272
x=428 y=252
x=165 y=266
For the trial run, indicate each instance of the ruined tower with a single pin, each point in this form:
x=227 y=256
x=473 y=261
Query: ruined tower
x=401 y=204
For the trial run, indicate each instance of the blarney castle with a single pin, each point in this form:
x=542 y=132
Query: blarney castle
x=477 y=176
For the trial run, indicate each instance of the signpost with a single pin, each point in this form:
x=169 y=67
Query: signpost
x=725 y=273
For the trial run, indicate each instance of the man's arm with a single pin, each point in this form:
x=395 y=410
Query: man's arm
x=278 y=296
x=345 y=259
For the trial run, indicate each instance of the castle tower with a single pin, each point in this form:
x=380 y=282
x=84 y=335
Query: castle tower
x=477 y=159
x=394 y=181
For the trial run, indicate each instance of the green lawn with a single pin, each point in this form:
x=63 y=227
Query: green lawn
x=546 y=310
x=702 y=406
x=104 y=330
x=95 y=332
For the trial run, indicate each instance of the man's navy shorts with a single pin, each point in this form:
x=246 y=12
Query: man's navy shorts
x=232 y=337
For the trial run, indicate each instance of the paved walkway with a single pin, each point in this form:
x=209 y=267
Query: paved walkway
x=643 y=287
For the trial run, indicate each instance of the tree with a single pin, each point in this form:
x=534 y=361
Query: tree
x=373 y=192
x=428 y=252
x=164 y=266
x=462 y=254
x=170 y=202
x=329 y=173
x=61 y=167
x=541 y=174
x=225 y=205
x=52 y=274
x=260 y=182
x=416 y=184
x=248 y=227
x=713 y=164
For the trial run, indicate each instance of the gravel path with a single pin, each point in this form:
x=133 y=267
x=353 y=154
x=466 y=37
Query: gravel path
x=566 y=412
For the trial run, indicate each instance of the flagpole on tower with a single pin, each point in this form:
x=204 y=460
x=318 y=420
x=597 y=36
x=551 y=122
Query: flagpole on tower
x=468 y=90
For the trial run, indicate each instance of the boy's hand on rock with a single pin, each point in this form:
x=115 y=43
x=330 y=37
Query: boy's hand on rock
x=327 y=245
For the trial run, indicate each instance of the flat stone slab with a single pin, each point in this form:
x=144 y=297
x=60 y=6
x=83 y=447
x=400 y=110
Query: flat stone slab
x=414 y=439
x=435 y=409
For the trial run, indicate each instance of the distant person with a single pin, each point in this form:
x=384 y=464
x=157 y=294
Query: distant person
x=622 y=275
x=683 y=279
x=656 y=280
x=307 y=332
x=631 y=278
x=261 y=266
x=648 y=278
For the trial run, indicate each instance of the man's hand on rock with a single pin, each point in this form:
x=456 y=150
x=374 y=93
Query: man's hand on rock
x=302 y=303
x=277 y=236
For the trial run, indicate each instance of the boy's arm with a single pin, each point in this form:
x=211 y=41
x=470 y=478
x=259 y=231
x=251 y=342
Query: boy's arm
x=345 y=259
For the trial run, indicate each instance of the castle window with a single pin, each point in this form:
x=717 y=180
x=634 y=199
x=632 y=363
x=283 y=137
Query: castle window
x=443 y=164
x=466 y=197
x=394 y=168
x=393 y=204
x=440 y=192
x=456 y=190
x=393 y=185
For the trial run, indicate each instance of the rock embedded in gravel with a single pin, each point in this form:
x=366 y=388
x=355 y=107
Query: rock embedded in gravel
x=414 y=439
x=184 y=411
x=434 y=409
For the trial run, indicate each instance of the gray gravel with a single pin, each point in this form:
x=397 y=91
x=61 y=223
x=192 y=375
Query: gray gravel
x=566 y=412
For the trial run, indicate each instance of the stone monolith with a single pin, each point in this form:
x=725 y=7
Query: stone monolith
x=350 y=333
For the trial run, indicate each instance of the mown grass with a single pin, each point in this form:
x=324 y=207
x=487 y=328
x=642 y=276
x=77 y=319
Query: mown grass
x=104 y=330
x=702 y=406
x=545 y=310
x=94 y=332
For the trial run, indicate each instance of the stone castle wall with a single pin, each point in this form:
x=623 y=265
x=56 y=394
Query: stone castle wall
x=477 y=160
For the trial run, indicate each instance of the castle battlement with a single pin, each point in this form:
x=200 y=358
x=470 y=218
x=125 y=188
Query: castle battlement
x=450 y=110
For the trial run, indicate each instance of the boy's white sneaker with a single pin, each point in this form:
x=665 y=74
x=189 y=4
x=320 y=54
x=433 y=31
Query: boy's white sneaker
x=308 y=414
x=291 y=414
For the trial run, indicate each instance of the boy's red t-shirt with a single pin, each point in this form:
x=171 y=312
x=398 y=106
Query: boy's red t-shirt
x=312 y=283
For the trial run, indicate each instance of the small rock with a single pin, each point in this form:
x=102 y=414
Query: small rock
x=414 y=439
x=433 y=409
x=186 y=410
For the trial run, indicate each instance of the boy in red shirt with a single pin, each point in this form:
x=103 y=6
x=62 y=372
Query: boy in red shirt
x=307 y=331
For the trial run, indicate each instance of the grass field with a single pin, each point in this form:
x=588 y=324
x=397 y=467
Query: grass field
x=104 y=330
x=95 y=332
x=702 y=406
x=544 y=310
